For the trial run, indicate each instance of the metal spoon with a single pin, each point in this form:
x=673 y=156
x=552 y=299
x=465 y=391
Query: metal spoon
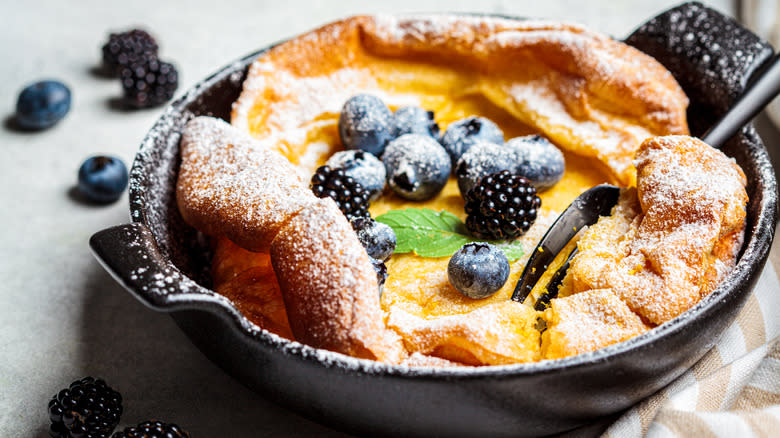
x=598 y=201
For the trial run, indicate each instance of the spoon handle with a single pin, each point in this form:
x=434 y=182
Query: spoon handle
x=752 y=101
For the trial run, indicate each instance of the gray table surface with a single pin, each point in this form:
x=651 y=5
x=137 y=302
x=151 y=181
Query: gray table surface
x=61 y=316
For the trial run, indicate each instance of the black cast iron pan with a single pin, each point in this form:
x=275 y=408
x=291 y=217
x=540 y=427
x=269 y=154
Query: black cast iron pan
x=164 y=263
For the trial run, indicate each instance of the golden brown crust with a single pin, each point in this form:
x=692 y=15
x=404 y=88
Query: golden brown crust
x=329 y=286
x=588 y=321
x=231 y=186
x=588 y=93
x=496 y=334
x=682 y=242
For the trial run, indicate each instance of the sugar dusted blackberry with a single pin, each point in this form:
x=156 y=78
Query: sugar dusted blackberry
x=128 y=48
x=149 y=83
x=152 y=429
x=350 y=196
x=502 y=206
x=87 y=408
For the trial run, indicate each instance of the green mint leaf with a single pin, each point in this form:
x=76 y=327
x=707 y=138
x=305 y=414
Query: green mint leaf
x=430 y=233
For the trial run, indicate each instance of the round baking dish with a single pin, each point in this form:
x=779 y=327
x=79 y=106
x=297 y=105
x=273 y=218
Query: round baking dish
x=165 y=263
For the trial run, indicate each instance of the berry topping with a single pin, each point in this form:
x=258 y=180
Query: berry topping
x=463 y=134
x=87 y=408
x=42 y=104
x=350 y=196
x=378 y=238
x=478 y=270
x=364 y=167
x=149 y=83
x=381 y=273
x=502 y=206
x=366 y=123
x=102 y=179
x=538 y=160
x=415 y=120
x=480 y=160
x=128 y=48
x=417 y=166
x=152 y=429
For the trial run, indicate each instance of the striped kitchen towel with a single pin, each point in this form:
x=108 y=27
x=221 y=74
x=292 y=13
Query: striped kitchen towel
x=733 y=391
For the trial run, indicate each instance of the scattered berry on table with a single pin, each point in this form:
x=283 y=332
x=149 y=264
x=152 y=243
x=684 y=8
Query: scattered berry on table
x=86 y=408
x=102 y=179
x=148 y=83
x=478 y=270
x=42 y=104
x=415 y=120
x=364 y=167
x=127 y=48
x=378 y=238
x=480 y=160
x=350 y=196
x=417 y=166
x=381 y=273
x=502 y=206
x=539 y=161
x=366 y=123
x=152 y=429
x=464 y=133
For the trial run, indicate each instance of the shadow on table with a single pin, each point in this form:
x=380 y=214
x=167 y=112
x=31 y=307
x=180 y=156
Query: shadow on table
x=161 y=375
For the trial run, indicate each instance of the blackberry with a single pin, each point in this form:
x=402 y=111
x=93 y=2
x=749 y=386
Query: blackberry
x=350 y=196
x=152 y=429
x=502 y=206
x=87 y=408
x=149 y=83
x=128 y=48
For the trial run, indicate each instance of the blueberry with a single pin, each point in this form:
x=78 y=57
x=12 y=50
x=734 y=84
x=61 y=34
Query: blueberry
x=102 y=179
x=415 y=120
x=417 y=166
x=480 y=160
x=378 y=238
x=463 y=134
x=364 y=167
x=539 y=161
x=366 y=123
x=42 y=104
x=478 y=270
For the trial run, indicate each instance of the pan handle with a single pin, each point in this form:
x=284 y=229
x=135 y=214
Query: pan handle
x=130 y=254
x=711 y=56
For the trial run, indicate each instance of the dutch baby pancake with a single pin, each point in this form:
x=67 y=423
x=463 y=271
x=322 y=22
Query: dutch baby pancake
x=293 y=263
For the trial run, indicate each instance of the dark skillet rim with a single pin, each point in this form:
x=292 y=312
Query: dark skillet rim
x=756 y=248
